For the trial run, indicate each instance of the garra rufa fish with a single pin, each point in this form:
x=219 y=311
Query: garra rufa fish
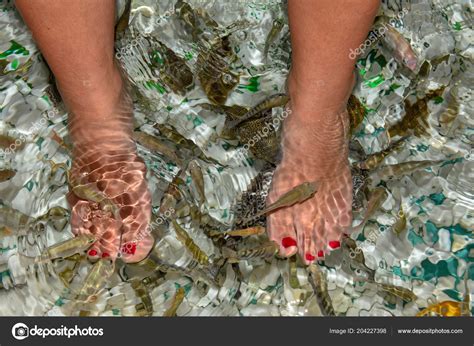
x=356 y=112
x=6 y=141
x=293 y=272
x=62 y=250
x=187 y=241
x=401 y=169
x=152 y=143
x=277 y=100
x=246 y=232
x=95 y=280
x=6 y=174
x=177 y=300
x=320 y=288
x=376 y=199
x=373 y=161
x=198 y=179
x=267 y=250
x=274 y=31
x=399 y=45
x=296 y=195
x=14 y=219
x=401 y=223
x=401 y=292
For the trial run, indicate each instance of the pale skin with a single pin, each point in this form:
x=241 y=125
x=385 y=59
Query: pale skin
x=77 y=39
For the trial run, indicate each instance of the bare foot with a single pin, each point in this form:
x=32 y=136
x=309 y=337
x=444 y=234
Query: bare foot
x=105 y=161
x=315 y=148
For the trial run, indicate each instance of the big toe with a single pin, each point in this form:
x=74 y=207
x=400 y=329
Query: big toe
x=282 y=231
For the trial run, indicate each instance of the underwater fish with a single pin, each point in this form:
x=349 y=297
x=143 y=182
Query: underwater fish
x=122 y=23
x=214 y=72
x=416 y=117
x=187 y=241
x=198 y=179
x=293 y=272
x=398 y=291
x=356 y=112
x=6 y=174
x=374 y=160
x=296 y=195
x=399 y=45
x=354 y=256
x=61 y=250
x=277 y=25
x=95 y=279
x=177 y=300
x=466 y=303
x=401 y=169
x=6 y=141
x=277 y=100
x=266 y=250
x=152 y=143
x=320 y=288
x=376 y=199
x=14 y=219
x=145 y=308
x=256 y=230
x=400 y=224
x=186 y=13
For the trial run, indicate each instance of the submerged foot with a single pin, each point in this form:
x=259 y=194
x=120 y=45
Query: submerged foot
x=315 y=149
x=112 y=200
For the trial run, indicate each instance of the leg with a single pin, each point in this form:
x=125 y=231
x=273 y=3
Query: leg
x=77 y=39
x=315 y=134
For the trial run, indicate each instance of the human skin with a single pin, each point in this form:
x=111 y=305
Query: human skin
x=315 y=134
x=76 y=37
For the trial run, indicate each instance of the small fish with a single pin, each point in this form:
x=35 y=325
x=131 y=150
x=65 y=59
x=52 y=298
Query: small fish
x=246 y=232
x=376 y=199
x=145 y=308
x=374 y=160
x=320 y=288
x=398 y=291
x=187 y=241
x=401 y=224
x=6 y=174
x=267 y=250
x=400 y=47
x=405 y=168
x=274 y=31
x=277 y=100
x=445 y=309
x=198 y=179
x=356 y=112
x=355 y=256
x=177 y=300
x=466 y=303
x=293 y=273
x=6 y=141
x=96 y=278
x=298 y=194
x=14 y=219
x=124 y=19
x=62 y=250
x=152 y=143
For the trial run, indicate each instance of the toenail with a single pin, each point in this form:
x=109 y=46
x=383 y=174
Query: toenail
x=105 y=254
x=92 y=253
x=129 y=248
x=320 y=253
x=288 y=242
x=334 y=244
x=310 y=257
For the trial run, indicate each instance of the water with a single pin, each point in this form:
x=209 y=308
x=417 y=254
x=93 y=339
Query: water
x=171 y=69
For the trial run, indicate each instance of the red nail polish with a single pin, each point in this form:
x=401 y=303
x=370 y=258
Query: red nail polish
x=129 y=248
x=288 y=242
x=310 y=257
x=334 y=244
x=92 y=252
x=105 y=254
x=320 y=253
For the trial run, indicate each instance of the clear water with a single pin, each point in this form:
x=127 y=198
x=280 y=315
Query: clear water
x=430 y=257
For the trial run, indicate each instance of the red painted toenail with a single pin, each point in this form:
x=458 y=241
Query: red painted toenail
x=320 y=253
x=129 y=248
x=288 y=242
x=334 y=244
x=310 y=257
x=105 y=254
x=92 y=253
